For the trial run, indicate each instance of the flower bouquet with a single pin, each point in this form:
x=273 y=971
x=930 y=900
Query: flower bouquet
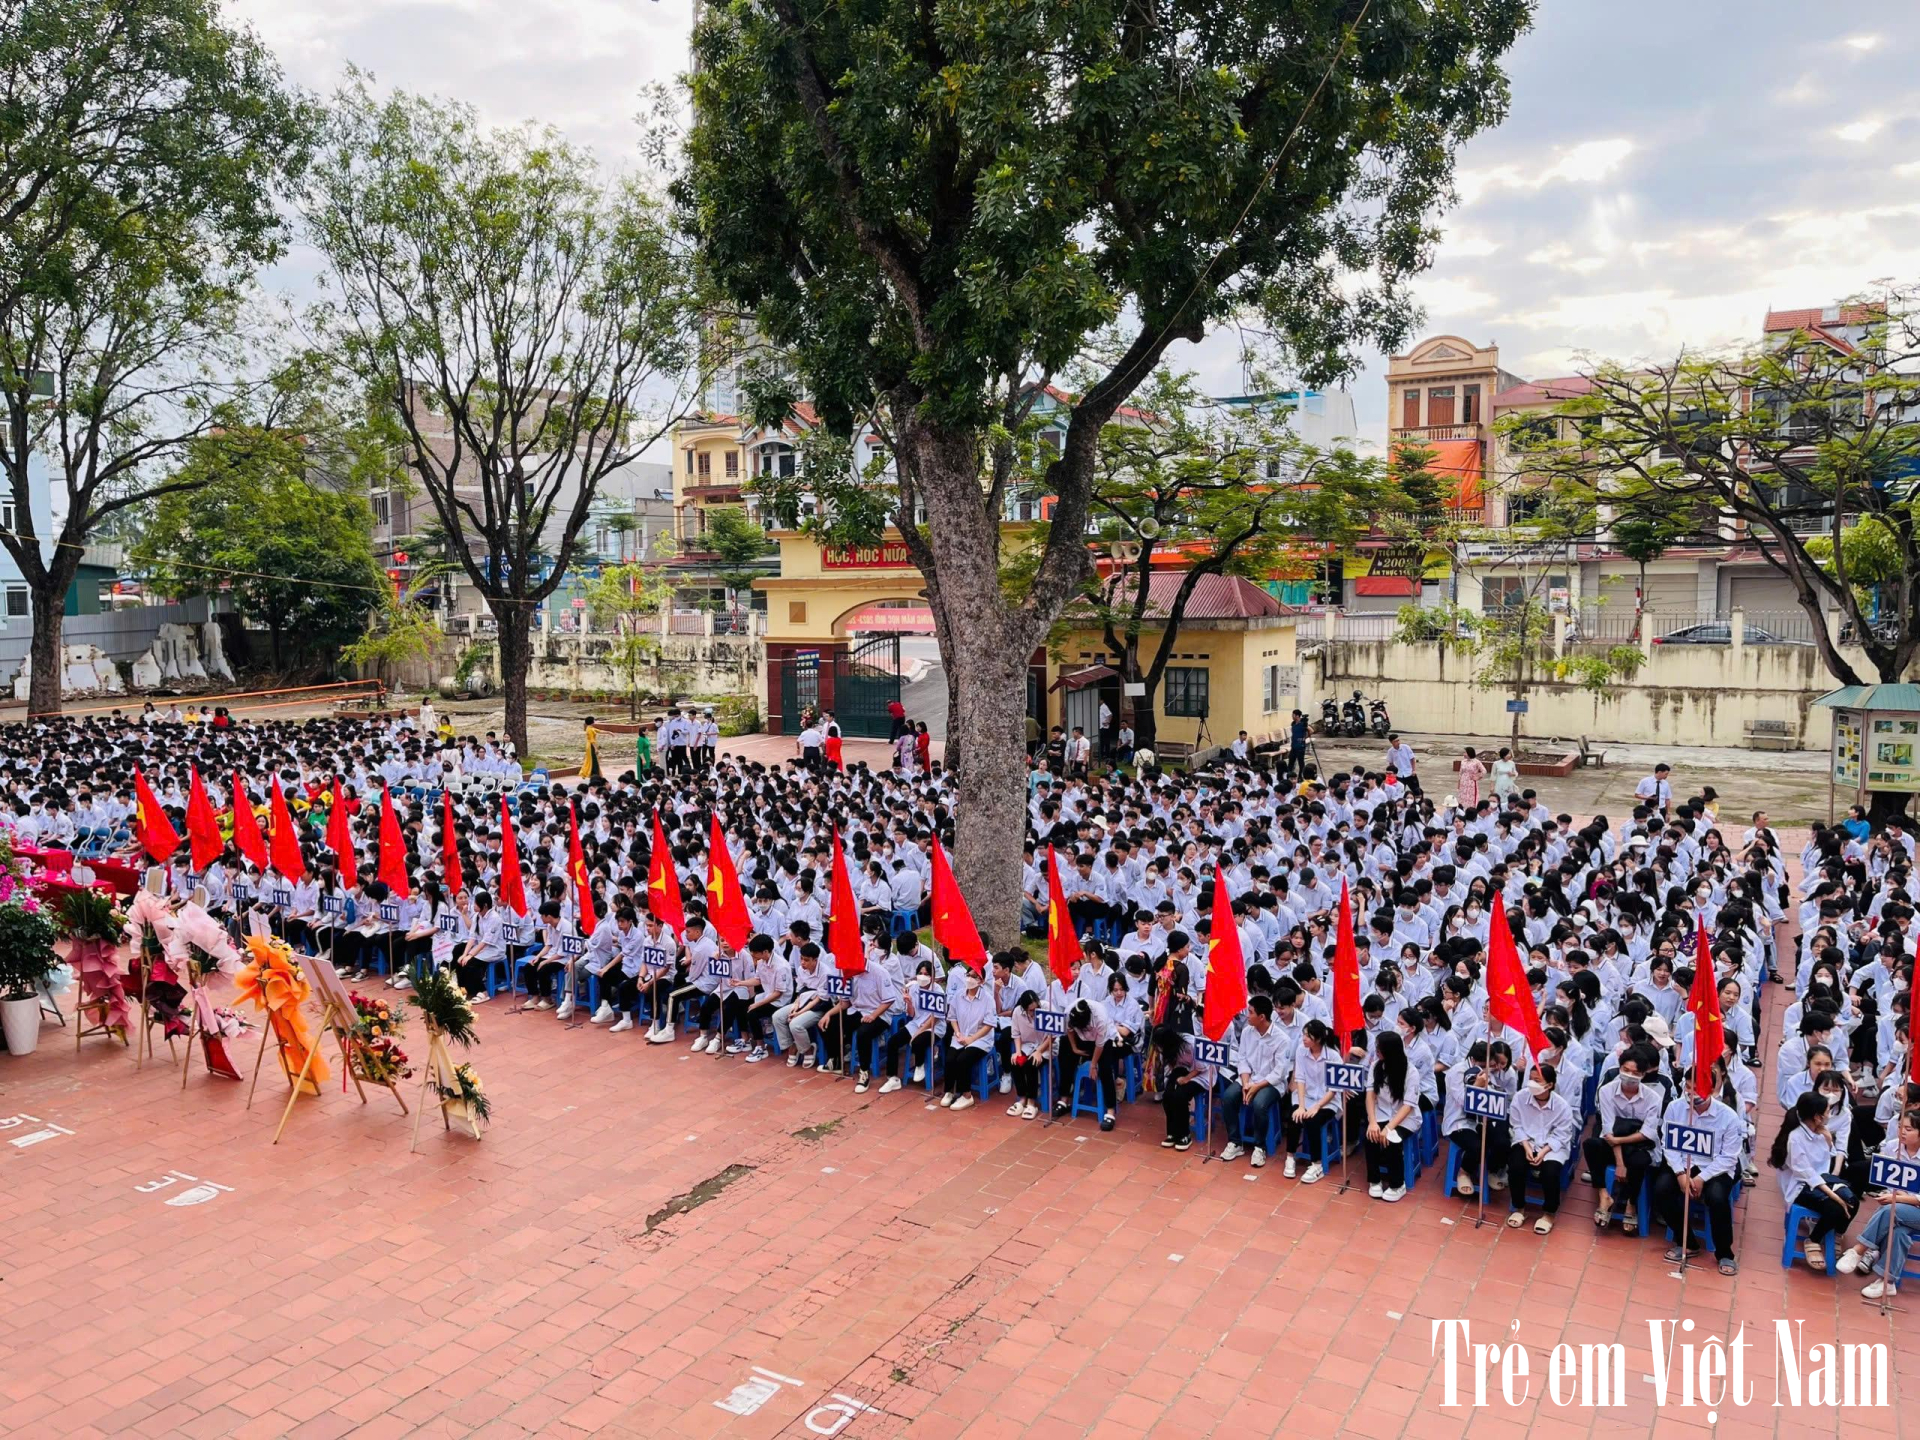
x=199 y=949
x=378 y=1057
x=272 y=981
x=465 y=1098
x=445 y=1007
x=88 y=919
x=149 y=929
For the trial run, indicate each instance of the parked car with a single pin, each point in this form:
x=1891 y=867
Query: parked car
x=1720 y=632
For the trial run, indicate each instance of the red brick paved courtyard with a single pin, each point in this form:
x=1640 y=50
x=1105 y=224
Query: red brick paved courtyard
x=940 y=1274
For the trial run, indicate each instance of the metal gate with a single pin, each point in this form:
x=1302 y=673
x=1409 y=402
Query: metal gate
x=860 y=683
x=866 y=681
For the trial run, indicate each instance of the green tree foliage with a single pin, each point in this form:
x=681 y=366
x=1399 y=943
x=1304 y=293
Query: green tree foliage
x=738 y=543
x=1791 y=441
x=515 y=313
x=934 y=208
x=624 y=597
x=1222 y=491
x=295 y=556
x=143 y=147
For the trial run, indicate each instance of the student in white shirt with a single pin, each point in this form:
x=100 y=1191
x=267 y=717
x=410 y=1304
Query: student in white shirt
x=1543 y=1127
x=1806 y=1157
x=971 y=1020
x=1393 y=1119
x=1692 y=1181
x=1090 y=1039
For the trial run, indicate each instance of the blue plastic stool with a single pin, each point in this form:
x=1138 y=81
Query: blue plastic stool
x=905 y=922
x=1082 y=1076
x=1272 y=1137
x=1790 y=1251
x=1643 y=1207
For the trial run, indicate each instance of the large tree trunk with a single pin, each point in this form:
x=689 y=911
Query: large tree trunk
x=44 y=666
x=515 y=655
x=986 y=644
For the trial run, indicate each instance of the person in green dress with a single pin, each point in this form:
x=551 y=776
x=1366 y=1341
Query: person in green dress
x=643 y=752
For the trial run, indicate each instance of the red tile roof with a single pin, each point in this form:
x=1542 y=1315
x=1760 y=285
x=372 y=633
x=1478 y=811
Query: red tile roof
x=1215 y=597
x=1782 y=320
x=1539 y=392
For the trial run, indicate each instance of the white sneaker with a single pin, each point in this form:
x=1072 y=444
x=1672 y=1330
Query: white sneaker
x=919 y=1074
x=893 y=1084
x=1232 y=1152
x=563 y=1010
x=625 y=1022
x=736 y=1047
x=1849 y=1262
x=1398 y=1192
x=602 y=1015
x=756 y=1054
x=946 y=1102
x=860 y=1086
x=1259 y=1157
x=964 y=1101
x=1375 y=1190
x=1291 y=1168
x=1874 y=1289
x=1006 y=1084
x=657 y=1036
x=1314 y=1174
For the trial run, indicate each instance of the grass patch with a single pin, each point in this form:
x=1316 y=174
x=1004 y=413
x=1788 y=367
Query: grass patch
x=707 y=1191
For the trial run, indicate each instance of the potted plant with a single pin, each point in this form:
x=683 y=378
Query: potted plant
x=27 y=959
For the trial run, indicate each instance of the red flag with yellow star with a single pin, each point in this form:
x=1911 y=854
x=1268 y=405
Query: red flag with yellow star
x=1063 y=946
x=283 y=841
x=577 y=876
x=1347 y=1014
x=1703 y=1003
x=203 y=825
x=157 y=835
x=953 y=924
x=726 y=905
x=1509 y=1000
x=1226 y=994
x=663 y=882
x=247 y=838
x=844 y=942
x=513 y=890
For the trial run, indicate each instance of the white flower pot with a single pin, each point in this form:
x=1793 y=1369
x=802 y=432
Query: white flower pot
x=20 y=1019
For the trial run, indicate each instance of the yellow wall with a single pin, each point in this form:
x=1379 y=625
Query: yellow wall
x=1235 y=661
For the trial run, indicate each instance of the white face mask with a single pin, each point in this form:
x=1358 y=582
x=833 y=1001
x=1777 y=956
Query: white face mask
x=1540 y=1089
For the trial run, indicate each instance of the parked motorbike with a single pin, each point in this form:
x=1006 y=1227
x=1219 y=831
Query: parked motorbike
x=1377 y=717
x=1353 y=716
x=1329 y=717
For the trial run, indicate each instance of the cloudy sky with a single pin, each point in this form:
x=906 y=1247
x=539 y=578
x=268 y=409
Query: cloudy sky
x=1667 y=172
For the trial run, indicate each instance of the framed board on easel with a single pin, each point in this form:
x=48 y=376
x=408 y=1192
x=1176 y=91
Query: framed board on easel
x=342 y=1020
x=435 y=1085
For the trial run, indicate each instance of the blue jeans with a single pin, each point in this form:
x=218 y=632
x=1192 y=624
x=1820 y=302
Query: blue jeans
x=1904 y=1221
x=1265 y=1101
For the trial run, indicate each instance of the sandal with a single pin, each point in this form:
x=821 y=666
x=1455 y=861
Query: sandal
x=1729 y=1267
x=1515 y=1220
x=1603 y=1214
x=1543 y=1226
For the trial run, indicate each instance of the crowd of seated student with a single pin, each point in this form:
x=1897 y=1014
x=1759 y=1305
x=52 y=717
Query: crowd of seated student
x=1606 y=916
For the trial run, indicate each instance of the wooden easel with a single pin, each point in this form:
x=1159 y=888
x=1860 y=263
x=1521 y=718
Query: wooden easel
x=101 y=1005
x=438 y=1062
x=342 y=1027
